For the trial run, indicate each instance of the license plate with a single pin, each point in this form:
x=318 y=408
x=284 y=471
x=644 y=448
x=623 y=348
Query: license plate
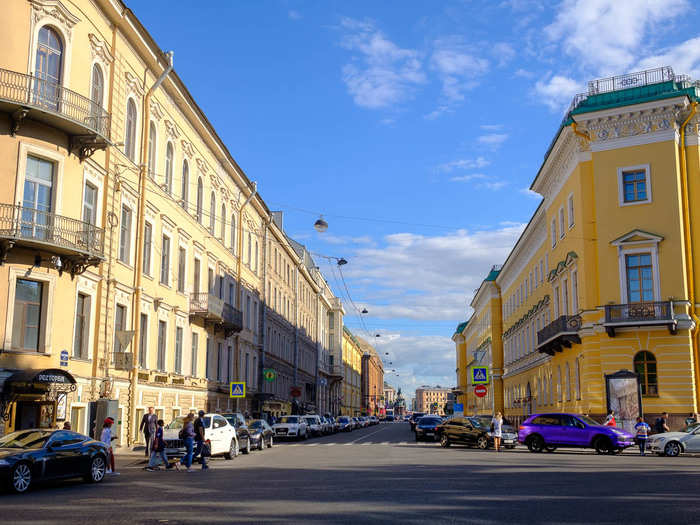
x=509 y=441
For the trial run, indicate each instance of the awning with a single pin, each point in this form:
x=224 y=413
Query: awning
x=38 y=381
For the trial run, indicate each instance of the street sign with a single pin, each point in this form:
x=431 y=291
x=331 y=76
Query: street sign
x=123 y=360
x=480 y=391
x=269 y=374
x=64 y=357
x=480 y=375
x=237 y=390
x=295 y=391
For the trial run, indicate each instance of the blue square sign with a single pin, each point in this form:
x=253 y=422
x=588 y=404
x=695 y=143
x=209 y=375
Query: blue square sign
x=237 y=390
x=480 y=375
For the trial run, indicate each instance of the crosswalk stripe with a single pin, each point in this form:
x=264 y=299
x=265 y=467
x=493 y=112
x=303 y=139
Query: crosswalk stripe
x=365 y=444
x=347 y=444
x=312 y=444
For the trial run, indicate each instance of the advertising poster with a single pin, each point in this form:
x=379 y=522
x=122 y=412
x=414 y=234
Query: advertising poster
x=624 y=398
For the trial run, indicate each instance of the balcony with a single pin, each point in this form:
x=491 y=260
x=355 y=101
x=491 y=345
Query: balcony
x=214 y=310
x=658 y=313
x=559 y=334
x=77 y=244
x=26 y=96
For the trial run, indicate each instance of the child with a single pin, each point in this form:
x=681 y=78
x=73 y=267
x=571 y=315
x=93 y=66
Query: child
x=642 y=434
x=107 y=438
x=159 y=450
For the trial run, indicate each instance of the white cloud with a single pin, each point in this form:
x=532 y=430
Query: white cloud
x=607 y=35
x=457 y=66
x=438 y=112
x=482 y=181
x=491 y=127
x=467 y=178
x=493 y=139
x=381 y=74
x=294 y=15
x=492 y=185
x=557 y=91
x=503 y=52
x=684 y=57
x=529 y=193
x=523 y=73
x=463 y=164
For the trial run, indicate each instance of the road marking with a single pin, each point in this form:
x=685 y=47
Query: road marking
x=312 y=444
x=329 y=444
x=385 y=443
x=365 y=444
x=368 y=435
x=347 y=444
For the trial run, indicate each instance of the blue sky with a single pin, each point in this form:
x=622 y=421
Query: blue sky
x=414 y=127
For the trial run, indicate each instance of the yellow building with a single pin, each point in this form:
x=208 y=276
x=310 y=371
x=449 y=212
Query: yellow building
x=598 y=294
x=136 y=254
x=351 y=404
x=431 y=400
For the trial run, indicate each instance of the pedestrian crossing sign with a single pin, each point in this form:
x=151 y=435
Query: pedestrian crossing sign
x=237 y=389
x=480 y=375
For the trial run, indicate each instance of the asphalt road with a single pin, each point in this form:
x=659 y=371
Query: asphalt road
x=379 y=474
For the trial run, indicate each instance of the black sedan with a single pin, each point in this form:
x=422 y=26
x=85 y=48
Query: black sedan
x=260 y=434
x=463 y=431
x=427 y=428
x=29 y=456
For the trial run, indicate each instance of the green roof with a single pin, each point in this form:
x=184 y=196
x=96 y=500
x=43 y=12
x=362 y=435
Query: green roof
x=460 y=327
x=492 y=275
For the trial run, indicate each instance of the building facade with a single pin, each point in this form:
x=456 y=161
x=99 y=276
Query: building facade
x=372 y=388
x=351 y=404
x=598 y=296
x=431 y=400
x=139 y=263
x=389 y=395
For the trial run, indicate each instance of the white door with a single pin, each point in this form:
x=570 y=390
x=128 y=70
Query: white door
x=692 y=444
x=220 y=441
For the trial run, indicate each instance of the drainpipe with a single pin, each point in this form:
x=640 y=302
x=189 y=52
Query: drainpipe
x=138 y=269
x=689 y=269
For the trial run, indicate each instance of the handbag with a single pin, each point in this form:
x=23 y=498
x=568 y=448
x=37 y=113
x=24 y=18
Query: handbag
x=206 y=450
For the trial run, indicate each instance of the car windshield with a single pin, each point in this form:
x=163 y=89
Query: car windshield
x=289 y=419
x=587 y=420
x=255 y=424
x=176 y=423
x=342 y=420
x=429 y=421
x=477 y=422
x=508 y=428
x=25 y=439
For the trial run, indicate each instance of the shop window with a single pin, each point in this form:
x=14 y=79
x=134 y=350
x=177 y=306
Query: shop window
x=645 y=367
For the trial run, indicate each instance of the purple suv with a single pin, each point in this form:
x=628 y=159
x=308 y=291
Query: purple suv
x=549 y=431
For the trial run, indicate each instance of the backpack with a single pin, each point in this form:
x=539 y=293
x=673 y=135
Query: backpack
x=658 y=426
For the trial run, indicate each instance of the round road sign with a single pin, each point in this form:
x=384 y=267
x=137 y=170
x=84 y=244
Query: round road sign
x=480 y=391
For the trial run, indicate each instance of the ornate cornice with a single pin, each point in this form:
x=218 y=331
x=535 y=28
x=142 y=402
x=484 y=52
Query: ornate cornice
x=55 y=11
x=171 y=129
x=187 y=147
x=133 y=84
x=100 y=50
x=156 y=110
x=202 y=166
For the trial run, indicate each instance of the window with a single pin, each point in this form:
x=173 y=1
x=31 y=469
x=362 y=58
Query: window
x=577 y=377
x=634 y=185
x=37 y=199
x=554 y=233
x=185 y=192
x=574 y=292
x=560 y=392
x=97 y=91
x=220 y=362
x=162 y=334
x=152 y=150
x=570 y=203
x=247 y=312
x=200 y=198
x=249 y=251
x=207 y=369
x=223 y=222
x=197 y=275
x=233 y=233
x=165 y=261
x=210 y=281
x=143 y=340
x=229 y=359
x=178 y=350
x=90 y=204
x=565 y=296
x=556 y=302
x=568 y=382
x=169 y=159
x=119 y=324
x=541 y=271
x=255 y=268
x=125 y=236
x=230 y=292
x=26 y=325
x=195 y=344
x=561 y=223
x=645 y=367
x=640 y=282
x=212 y=213
x=49 y=61
x=147 y=246
x=82 y=327
x=130 y=131
x=182 y=258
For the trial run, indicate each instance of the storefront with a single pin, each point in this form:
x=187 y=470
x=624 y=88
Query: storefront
x=34 y=398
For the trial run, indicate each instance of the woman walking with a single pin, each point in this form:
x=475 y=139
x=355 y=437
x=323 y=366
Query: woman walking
x=158 y=450
x=642 y=435
x=187 y=434
x=497 y=430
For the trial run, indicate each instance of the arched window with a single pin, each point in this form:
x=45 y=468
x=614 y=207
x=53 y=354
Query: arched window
x=577 y=372
x=185 y=193
x=645 y=367
x=568 y=382
x=223 y=221
x=250 y=244
x=200 y=198
x=256 y=256
x=98 y=88
x=152 y=150
x=233 y=233
x=169 y=159
x=49 y=62
x=212 y=212
x=130 y=132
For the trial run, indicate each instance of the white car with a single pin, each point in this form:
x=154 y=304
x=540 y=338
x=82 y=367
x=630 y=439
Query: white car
x=674 y=443
x=315 y=425
x=291 y=427
x=218 y=431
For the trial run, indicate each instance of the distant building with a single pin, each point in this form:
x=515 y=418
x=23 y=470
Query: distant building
x=389 y=395
x=431 y=399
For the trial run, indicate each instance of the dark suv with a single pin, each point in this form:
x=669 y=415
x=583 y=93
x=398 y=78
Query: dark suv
x=237 y=420
x=549 y=431
x=462 y=431
x=415 y=417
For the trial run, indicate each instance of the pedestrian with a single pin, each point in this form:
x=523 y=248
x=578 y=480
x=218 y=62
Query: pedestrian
x=187 y=436
x=642 y=435
x=158 y=450
x=661 y=424
x=496 y=430
x=66 y=425
x=692 y=419
x=148 y=425
x=610 y=420
x=199 y=438
x=106 y=438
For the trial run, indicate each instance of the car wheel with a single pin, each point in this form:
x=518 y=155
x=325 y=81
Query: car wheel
x=548 y=448
x=231 y=450
x=444 y=441
x=672 y=449
x=98 y=467
x=482 y=442
x=535 y=444
x=602 y=445
x=21 y=477
x=246 y=450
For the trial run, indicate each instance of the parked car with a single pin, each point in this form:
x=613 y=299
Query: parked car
x=237 y=420
x=389 y=419
x=356 y=423
x=217 y=430
x=374 y=420
x=333 y=422
x=364 y=421
x=35 y=455
x=675 y=443
x=314 y=424
x=549 y=431
x=291 y=427
x=261 y=434
x=414 y=417
x=462 y=431
x=345 y=424
x=427 y=428
x=509 y=436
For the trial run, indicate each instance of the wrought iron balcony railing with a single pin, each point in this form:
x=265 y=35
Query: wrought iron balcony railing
x=640 y=314
x=77 y=243
x=212 y=308
x=28 y=96
x=562 y=332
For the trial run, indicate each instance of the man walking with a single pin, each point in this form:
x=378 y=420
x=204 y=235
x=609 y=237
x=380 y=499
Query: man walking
x=199 y=440
x=148 y=425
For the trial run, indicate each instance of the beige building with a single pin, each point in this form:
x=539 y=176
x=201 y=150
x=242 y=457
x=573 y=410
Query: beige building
x=431 y=400
x=351 y=404
x=139 y=264
x=389 y=395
